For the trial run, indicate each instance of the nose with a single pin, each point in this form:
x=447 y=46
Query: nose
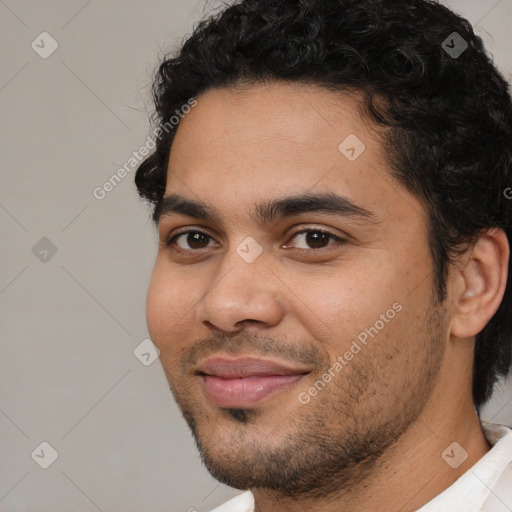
x=241 y=294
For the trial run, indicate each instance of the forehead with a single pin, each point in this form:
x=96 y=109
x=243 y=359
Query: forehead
x=276 y=112
x=243 y=146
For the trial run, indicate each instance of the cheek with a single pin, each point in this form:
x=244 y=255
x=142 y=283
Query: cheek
x=349 y=301
x=168 y=307
x=351 y=295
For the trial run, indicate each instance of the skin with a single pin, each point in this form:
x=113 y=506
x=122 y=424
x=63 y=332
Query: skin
x=372 y=438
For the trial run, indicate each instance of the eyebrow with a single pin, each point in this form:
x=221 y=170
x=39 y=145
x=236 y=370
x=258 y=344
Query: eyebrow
x=268 y=211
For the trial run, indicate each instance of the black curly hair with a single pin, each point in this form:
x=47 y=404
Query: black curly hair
x=449 y=116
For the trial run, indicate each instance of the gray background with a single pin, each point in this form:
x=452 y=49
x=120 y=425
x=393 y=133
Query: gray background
x=70 y=321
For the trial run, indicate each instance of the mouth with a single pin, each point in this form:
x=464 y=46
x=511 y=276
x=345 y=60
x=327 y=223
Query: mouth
x=246 y=381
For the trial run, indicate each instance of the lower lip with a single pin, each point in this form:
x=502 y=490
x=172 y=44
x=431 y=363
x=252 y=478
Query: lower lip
x=246 y=391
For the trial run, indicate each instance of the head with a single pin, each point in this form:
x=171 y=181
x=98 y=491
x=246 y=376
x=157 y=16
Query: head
x=343 y=121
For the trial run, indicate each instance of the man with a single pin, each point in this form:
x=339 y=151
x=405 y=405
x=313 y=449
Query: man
x=331 y=186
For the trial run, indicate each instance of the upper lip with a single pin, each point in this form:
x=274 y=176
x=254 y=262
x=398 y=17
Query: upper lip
x=232 y=368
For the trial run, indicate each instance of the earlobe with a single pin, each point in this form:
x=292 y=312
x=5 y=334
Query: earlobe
x=480 y=284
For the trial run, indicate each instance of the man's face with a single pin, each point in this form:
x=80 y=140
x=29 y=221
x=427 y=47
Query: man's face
x=306 y=290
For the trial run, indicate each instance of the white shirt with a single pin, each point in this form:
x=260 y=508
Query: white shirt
x=485 y=487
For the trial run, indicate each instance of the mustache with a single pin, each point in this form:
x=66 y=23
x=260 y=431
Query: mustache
x=251 y=344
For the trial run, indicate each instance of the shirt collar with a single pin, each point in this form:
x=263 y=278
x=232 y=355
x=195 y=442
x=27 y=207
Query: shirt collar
x=469 y=492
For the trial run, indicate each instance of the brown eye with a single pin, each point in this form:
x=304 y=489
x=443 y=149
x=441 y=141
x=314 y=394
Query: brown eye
x=315 y=239
x=193 y=240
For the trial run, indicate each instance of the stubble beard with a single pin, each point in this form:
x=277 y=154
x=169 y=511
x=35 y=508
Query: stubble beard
x=332 y=443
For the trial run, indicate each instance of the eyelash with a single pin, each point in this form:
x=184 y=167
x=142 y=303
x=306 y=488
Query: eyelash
x=338 y=240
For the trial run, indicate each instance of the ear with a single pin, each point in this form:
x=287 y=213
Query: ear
x=479 y=283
